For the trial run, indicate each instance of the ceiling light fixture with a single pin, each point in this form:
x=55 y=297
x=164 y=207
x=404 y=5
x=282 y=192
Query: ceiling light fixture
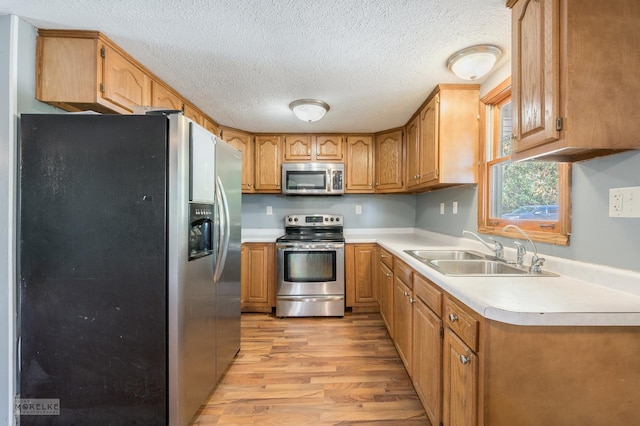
x=309 y=109
x=474 y=62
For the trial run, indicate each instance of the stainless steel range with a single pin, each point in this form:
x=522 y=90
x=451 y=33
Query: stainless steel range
x=310 y=266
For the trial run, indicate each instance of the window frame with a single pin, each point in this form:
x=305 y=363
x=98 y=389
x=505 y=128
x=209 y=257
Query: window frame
x=547 y=232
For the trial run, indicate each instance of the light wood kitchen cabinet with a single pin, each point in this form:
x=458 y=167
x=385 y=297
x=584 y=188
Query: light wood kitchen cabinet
x=389 y=159
x=460 y=382
x=313 y=148
x=403 y=312
x=193 y=114
x=258 y=277
x=360 y=270
x=163 y=97
x=243 y=142
x=211 y=126
x=447 y=139
x=427 y=346
x=80 y=70
x=572 y=88
x=268 y=158
x=413 y=152
x=359 y=164
x=384 y=281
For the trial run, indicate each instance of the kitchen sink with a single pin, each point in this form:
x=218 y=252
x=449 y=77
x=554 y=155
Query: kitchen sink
x=426 y=255
x=483 y=268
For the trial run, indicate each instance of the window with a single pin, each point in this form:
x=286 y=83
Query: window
x=532 y=195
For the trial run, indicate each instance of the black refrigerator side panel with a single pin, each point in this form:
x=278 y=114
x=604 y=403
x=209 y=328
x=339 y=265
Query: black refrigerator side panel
x=92 y=268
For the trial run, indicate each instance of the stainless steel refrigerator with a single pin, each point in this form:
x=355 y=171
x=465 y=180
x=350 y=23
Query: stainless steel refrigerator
x=129 y=286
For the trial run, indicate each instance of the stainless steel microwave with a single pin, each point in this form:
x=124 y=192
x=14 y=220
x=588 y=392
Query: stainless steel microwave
x=313 y=178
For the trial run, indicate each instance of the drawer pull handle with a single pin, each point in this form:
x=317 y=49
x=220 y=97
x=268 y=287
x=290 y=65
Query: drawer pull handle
x=453 y=317
x=464 y=359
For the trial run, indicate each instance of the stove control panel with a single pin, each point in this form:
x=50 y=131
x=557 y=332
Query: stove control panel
x=313 y=219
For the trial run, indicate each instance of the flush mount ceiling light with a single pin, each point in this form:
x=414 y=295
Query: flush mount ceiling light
x=309 y=109
x=474 y=62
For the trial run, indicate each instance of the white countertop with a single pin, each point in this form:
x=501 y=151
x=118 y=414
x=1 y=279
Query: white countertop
x=582 y=294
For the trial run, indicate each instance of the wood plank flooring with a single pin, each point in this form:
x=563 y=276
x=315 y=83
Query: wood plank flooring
x=314 y=371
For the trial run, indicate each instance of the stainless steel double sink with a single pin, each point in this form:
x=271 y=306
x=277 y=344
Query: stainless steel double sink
x=470 y=263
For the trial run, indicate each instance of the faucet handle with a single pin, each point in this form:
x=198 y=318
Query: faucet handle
x=536 y=264
x=498 y=247
x=521 y=251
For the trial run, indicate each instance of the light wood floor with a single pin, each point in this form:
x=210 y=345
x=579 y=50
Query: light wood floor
x=314 y=371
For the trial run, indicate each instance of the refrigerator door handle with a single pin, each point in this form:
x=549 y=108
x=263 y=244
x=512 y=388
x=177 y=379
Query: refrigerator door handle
x=225 y=229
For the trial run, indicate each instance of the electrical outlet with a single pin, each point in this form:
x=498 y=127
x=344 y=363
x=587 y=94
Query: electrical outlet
x=441 y=208
x=624 y=202
x=358 y=209
x=455 y=207
x=269 y=210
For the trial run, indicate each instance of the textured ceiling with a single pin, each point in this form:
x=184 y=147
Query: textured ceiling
x=243 y=61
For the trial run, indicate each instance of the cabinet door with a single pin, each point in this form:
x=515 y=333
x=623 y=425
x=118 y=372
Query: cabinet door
x=193 y=114
x=427 y=359
x=328 y=148
x=268 y=157
x=242 y=142
x=389 y=176
x=360 y=269
x=402 y=321
x=413 y=152
x=124 y=84
x=165 y=98
x=385 y=284
x=360 y=167
x=535 y=72
x=297 y=148
x=429 y=141
x=460 y=382
x=256 y=279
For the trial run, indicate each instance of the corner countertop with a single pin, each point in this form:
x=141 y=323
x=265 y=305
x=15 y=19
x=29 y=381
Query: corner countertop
x=583 y=294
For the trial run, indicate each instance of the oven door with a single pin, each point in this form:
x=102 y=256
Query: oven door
x=310 y=269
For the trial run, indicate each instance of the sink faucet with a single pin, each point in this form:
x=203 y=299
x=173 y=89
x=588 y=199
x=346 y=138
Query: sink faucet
x=497 y=247
x=536 y=262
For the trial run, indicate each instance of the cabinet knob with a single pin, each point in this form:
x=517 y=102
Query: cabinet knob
x=412 y=300
x=513 y=137
x=388 y=275
x=370 y=184
x=453 y=317
x=465 y=359
x=250 y=184
x=405 y=293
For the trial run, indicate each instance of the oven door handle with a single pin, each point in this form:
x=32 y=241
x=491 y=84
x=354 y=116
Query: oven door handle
x=310 y=246
x=309 y=298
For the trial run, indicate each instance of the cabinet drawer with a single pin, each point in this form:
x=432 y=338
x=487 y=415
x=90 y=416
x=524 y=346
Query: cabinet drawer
x=429 y=294
x=462 y=323
x=403 y=272
x=386 y=257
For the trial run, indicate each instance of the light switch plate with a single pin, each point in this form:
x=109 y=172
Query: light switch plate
x=358 y=209
x=455 y=207
x=624 y=202
x=441 y=208
x=269 y=210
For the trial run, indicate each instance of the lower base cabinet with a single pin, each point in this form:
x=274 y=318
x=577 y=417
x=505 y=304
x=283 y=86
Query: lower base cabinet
x=360 y=269
x=427 y=359
x=460 y=384
x=258 y=277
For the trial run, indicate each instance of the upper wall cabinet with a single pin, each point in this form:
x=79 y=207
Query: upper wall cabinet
x=79 y=70
x=389 y=159
x=268 y=160
x=442 y=139
x=359 y=164
x=243 y=142
x=84 y=70
x=575 y=78
x=313 y=148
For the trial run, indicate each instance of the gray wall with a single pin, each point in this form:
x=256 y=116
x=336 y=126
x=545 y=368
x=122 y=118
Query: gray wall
x=379 y=211
x=595 y=237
